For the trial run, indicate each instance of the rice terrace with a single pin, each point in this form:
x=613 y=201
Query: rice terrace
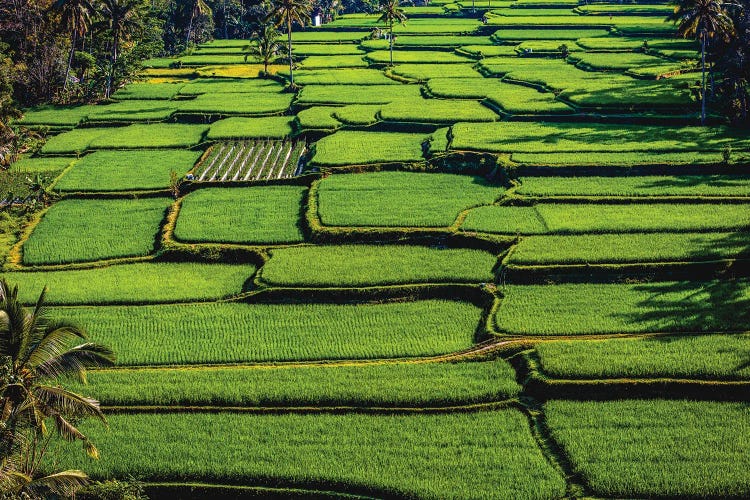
x=443 y=249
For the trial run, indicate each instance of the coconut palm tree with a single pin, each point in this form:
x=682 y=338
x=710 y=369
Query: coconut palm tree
x=286 y=13
x=391 y=12
x=76 y=16
x=35 y=354
x=265 y=46
x=121 y=17
x=199 y=8
x=703 y=20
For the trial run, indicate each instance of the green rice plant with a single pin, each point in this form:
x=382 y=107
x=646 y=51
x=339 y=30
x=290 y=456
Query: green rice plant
x=349 y=147
x=346 y=61
x=578 y=22
x=428 y=41
x=160 y=135
x=133 y=110
x=551 y=218
x=680 y=185
x=437 y=111
x=611 y=43
x=392 y=384
x=71 y=142
x=55 y=116
x=438 y=141
x=515 y=99
x=545 y=11
x=231 y=86
x=627 y=448
x=445 y=25
x=616 y=61
x=141 y=283
x=482 y=51
x=327 y=49
x=584 y=309
x=258 y=103
x=90 y=230
x=551 y=47
x=370 y=265
x=517 y=35
x=358 y=114
x=272 y=127
x=423 y=72
x=341 y=77
x=356 y=94
x=318 y=118
x=415 y=56
x=622 y=159
x=704 y=357
x=244 y=333
x=608 y=9
x=644 y=29
x=400 y=198
x=148 y=91
x=42 y=164
x=354 y=452
x=204 y=60
x=416 y=11
x=637 y=247
x=321 y=36
x=579 y=138
x=127 y=170
x=253 y=215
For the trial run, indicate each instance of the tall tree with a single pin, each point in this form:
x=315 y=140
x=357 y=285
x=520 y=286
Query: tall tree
x=122 y=16
x=703 y=20
x=76 y=17
x=286 y=13
x=391 y=12
x=265 y=45
x=35 y=354
x=198 y=8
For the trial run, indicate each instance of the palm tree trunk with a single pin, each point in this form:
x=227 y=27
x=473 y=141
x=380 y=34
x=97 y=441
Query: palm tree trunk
x=70 y=59
x=289 y=47
x=390 y=41
x=115 y=36
x=190 y=28
x=703 y=76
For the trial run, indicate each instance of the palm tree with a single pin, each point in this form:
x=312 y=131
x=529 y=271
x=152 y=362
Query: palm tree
x=703 y=20
x=76 y=16
x=34 y=356
x=121 y=16
x=265 y=45
x=199 y=8
x=286 y=13
x=391 y=12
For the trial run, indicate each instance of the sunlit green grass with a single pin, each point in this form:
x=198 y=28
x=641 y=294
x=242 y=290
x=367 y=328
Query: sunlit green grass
x=683 y=185
x=272 y=127
x=354 y=147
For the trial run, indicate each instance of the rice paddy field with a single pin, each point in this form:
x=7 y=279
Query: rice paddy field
x=489 y=271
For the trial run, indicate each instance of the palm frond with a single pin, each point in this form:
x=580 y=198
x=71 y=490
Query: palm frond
x=75 y=361
x=65 y=483
x=63 y=402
